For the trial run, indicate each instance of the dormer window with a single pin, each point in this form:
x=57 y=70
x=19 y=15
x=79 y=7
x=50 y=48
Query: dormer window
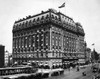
x=38 y=19
x=42 y=18
x=33 y=20
x=52 y=16
x=56 y=17
x=17 y=26
x=47 y=16
x=30 y=22
x=20 y=24
x=23 y=24
x=14 y=26
x=26 y=23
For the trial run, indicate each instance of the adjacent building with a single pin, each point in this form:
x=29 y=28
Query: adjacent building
x=6 y=58
x=2 y=58
x=94 y=56
x=88 y=55
x=48 y=38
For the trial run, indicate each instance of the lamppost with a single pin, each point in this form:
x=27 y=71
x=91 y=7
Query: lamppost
x=93 y=57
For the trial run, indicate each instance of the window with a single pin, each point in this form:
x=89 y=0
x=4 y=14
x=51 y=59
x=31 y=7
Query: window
x=56 y=43
x=52 y=42
x=52 y=16
x=33 y=20
x=47 y=16
x=20 y=25
x=56 y=17
x=26 y=23
x=30 y=22
x=38 y=19
x=42 y=18
x=52 y=36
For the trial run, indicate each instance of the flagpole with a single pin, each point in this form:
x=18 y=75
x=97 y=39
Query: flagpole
x=65 y=7
x=62 y=6
x=93 y=45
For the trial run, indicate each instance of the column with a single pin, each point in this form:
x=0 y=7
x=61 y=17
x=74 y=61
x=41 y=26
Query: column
x=50 y=38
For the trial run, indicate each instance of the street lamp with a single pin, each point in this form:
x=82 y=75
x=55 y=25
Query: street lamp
x=93 y=46
x=93 y=59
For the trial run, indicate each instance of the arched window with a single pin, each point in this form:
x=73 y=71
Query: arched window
x=33 y=20
x=56 y=17
x=14 y=27
x=20 y=25
x=52 y=16
x=42 y=18
x=47 y=16
x=17 y=26
x=30 y=23
x=23 y=24
x=38 y=19
x=26 y=24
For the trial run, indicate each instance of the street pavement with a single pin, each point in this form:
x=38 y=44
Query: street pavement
x=74 y=74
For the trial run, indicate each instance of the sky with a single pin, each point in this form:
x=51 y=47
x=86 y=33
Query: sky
x=87 y=12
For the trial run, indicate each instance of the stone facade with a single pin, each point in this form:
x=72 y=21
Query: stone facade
x=47 y=38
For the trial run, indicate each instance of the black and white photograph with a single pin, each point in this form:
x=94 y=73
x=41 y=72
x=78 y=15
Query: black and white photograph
x=49 y=39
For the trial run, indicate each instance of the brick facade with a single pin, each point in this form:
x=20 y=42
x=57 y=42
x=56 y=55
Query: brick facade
x=2 y=54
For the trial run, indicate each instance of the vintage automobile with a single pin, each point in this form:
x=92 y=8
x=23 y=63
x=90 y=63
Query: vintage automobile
x=94 y=69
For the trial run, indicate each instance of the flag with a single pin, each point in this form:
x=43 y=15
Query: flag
x=92 y=44
x=63 y=5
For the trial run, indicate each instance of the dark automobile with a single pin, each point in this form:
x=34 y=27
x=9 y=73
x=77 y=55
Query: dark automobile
x=94 y=69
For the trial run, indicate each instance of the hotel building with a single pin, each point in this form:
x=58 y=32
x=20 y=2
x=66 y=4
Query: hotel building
x=49 y=37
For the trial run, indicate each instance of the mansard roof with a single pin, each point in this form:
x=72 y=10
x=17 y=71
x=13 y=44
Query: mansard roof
x=49 y=16
x=80 y=28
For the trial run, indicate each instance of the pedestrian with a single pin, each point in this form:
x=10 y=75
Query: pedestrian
x=84 y=73
x=77 y=68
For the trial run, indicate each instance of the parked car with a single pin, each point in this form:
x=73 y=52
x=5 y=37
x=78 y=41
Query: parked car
x=94 y=69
